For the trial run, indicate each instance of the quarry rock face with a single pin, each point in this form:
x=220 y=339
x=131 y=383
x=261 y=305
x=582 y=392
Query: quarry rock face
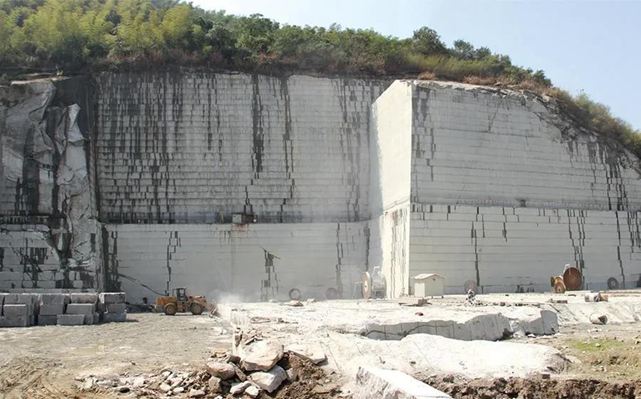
x=47 y=209
x=497 y=188
x=258 y=185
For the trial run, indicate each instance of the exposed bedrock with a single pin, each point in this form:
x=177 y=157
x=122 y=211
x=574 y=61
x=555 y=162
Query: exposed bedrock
x=258 y=185
x=387 y=321
x=48 y=230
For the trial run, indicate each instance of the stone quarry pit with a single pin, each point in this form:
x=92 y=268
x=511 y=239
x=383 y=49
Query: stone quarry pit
x=253 y=190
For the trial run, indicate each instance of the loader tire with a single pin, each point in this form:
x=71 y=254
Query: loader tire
x=196 y=309
x=170 y=309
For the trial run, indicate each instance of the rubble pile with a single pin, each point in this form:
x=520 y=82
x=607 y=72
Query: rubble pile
x=65 y=309
x=256 y=367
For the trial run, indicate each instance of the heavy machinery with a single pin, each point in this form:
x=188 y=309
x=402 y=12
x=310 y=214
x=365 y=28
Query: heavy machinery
x=180 y=301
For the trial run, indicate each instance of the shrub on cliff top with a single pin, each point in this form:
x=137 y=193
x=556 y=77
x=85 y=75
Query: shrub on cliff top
x=76 y=34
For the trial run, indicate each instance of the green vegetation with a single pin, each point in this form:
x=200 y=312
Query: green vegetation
x=76 y=35
x=597 y=345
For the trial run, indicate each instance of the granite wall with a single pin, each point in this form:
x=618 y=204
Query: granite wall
x=48 y=226
x=505 y=191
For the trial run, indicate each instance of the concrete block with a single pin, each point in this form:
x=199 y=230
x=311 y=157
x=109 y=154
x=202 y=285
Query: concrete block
x=375 y=383
x=109 y=298
x=47 y=320
x=81 y=308
x=84 y=297
x=116 y=308
x=54 y=299
x=70 y=319
x=114 y=317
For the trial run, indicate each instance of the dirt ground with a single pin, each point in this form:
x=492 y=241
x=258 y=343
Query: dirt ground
x=610 y=352
x=43 y=362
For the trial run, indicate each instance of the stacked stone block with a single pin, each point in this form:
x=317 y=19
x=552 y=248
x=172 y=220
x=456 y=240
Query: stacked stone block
x=84 y=304
x=113 y=306
x=51 y=305
x=66 y=309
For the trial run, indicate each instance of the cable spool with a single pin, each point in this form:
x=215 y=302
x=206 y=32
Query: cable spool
x=373 y=285
x=572 y=278
x=294 y=294
x=366 y=285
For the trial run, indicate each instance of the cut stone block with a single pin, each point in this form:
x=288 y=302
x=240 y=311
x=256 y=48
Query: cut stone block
x=16 y=315
x=81 y=308
x=15 y=310
x=71 y=319
x=84 y=297
x=92 y=318
x=47 y=320
x=31 y=300
x=54 y=299
x=114 y=317
x=52 y=309
x=111 y=297
x=375 y=383
x=116 y=308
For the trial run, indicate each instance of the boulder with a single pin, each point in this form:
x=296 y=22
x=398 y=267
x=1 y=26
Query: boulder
x=261 y=355
x=270 y=380
x=224 y=371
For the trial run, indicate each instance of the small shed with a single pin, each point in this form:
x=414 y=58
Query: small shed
x=429 y=284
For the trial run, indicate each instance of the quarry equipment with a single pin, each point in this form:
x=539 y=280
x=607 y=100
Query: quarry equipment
x=373 y=284
x=570 y=280
x=180 y=301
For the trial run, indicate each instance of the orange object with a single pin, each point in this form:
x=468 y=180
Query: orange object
x=572 y=278
x=181 y=302
x=557 y=283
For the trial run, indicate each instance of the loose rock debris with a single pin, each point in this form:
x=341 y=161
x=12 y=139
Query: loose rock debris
x=263 y=368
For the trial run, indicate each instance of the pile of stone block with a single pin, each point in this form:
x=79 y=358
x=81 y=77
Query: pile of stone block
x=82 y=309
x=113 y=306
x=65 y=309
x=51 y=305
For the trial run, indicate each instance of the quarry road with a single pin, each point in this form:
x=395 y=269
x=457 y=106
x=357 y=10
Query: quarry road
x=43 y=362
